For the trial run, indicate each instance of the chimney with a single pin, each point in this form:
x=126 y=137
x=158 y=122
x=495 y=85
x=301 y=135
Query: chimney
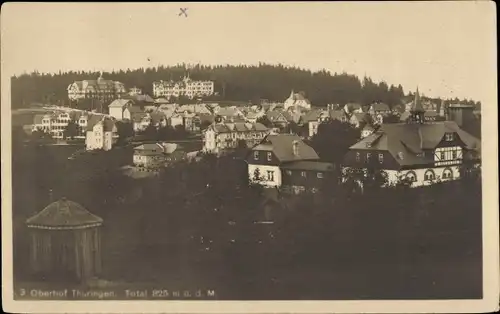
x=295 y=148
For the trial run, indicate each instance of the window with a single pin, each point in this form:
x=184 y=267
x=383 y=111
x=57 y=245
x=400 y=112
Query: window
x=442 y=156
x=256 y=155
x=269 y=156
x=380 y=158
x=454 y=154
x=447 y=174
x=449 y=137
x=358 y=157
x=288 y=172
x=411 y=176
x=368 y=155
x=429 y=175
x=303 y=174
x=270 y=175
x=320 y=175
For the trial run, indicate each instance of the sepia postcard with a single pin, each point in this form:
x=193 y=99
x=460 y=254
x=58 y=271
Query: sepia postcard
x=254 y=157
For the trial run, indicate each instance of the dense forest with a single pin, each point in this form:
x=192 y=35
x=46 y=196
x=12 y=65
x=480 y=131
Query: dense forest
x=232 y=82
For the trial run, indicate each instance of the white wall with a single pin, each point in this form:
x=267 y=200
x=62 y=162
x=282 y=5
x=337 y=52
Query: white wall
x=116 y=112
x=263 y=173
x=420 y=173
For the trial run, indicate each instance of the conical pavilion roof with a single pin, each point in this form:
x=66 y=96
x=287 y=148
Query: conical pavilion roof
x=64 y=214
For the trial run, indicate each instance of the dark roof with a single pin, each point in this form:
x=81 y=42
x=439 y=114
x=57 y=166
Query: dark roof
x=138 y=116
x=206 y=117
x=134 y=109
x=120 y=103
x=94 y=119
x=150 y=149
x=380 y=107
x=308 y=165
x=412 y=139
x=282 y=146
x=337 y=114
x=157 y=116
x=64 y=214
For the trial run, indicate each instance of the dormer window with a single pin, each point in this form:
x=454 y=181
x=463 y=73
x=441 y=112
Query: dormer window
x=449 y=137
x=269 y=156
x=256 y=155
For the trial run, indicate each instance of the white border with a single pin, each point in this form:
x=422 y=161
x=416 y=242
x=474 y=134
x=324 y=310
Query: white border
x=490 y=235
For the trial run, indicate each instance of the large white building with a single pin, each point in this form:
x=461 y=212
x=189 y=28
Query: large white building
x=101 y=89
x=419 y=151
x=186 y=87
x=101 y=133
x=55 y=123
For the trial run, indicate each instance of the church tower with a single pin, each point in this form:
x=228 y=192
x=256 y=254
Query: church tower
x=417 y=111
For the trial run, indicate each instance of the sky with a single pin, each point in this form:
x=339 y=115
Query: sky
x=447 y=49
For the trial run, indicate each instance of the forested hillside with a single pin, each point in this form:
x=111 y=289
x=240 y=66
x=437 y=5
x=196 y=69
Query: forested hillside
x=244 y=83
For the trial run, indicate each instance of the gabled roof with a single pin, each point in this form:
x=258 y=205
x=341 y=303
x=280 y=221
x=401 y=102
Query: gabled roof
x=312 y=115
x=275 y=115
x=380 y=107
x=64 y=214
x=308 y=165
x=282 y=147
x=108 y=123
x=119 y=103
x=134 y=109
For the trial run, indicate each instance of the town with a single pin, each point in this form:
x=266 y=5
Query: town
x=177 y=176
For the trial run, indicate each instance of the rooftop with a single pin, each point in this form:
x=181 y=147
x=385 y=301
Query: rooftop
x=64 y=214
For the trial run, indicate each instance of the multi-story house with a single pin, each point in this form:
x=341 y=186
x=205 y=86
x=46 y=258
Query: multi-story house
x=297 y=100
x=222 y=135
x=101 y=133
x=154 y=156
x=187 y=87
x=55 y=123
x=104 y=90
x=117 y=108
x=419 y=151
x=313 y=119
x=378 y=111
x=285 y=161
x=277 y=118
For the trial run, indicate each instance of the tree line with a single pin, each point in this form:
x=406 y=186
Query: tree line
x=232 y=82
